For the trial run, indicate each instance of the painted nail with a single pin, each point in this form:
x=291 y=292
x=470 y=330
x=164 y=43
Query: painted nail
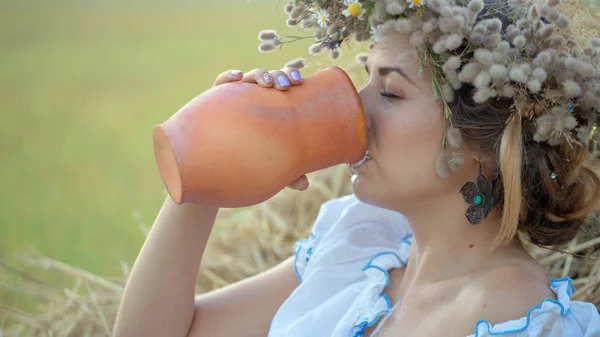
x=267 y=77
x=235 y=72
x=283 y=81
x=296 y=76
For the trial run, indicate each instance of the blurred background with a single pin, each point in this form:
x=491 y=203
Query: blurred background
x=82 y=84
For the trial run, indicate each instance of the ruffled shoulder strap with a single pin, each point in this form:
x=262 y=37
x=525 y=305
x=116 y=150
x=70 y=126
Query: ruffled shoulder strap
x=552 y=318
x=338 y=216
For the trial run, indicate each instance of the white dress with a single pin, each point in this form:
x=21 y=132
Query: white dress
x=342 y=270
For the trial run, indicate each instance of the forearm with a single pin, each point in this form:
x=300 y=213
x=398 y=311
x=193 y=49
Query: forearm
x=159 y=295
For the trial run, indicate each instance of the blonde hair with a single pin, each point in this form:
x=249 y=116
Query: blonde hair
x=510 y=157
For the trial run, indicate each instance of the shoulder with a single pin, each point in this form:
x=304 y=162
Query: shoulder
x=507 y=292
x=516 y=301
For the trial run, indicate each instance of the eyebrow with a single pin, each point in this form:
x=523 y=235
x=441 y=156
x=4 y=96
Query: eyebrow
x=386 y=70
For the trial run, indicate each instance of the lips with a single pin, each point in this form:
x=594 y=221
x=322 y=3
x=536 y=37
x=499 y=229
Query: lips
x=353 y=166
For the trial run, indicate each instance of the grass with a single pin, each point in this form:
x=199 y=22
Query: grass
x=81 y=86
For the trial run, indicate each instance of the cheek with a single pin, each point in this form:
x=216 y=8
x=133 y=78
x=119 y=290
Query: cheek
x=411 y=129
x=409 y=140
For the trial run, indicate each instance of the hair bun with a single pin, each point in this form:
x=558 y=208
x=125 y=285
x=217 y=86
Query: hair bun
x=561 y=190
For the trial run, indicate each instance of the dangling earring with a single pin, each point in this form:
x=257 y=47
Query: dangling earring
x=479 y=196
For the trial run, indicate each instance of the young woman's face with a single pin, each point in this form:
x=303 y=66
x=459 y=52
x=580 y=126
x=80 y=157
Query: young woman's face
x=406 y=129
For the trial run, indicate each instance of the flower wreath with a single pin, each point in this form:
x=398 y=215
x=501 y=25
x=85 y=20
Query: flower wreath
x=546 y=59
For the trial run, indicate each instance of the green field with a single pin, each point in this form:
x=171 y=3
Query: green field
x=81 y=87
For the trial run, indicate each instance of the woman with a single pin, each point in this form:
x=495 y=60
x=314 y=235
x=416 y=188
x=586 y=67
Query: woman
x=459 y=269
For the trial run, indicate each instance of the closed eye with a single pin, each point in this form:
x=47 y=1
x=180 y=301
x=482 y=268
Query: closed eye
x=389 y=94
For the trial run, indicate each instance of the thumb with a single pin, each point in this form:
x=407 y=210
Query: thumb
x=299 y=184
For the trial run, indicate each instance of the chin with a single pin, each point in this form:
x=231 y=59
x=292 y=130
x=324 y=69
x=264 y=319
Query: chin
x=364 y=182
x=370 y=189
x=363 y=190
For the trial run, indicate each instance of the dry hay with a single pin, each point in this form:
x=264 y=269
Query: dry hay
x=244 y=243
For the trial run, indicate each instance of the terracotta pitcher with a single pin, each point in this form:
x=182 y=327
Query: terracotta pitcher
x=239 y=144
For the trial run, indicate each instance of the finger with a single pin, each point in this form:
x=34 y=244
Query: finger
x=228 y=76
x=260 y=77
x=282 y=81
x=293 y=75
x=299 y=184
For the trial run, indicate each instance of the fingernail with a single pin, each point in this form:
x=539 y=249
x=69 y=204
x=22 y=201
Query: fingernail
x=283 y=81
x=236 y=72
x=267 y=77
x=296 y=76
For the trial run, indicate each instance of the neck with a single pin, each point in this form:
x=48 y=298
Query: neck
x=445 y=245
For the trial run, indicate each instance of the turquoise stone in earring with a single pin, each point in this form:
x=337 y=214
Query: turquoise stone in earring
x=479 y=196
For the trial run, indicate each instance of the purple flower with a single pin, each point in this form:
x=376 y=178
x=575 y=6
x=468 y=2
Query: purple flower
x=332 y=44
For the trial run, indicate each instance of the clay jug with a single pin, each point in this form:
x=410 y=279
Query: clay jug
x=239 y=144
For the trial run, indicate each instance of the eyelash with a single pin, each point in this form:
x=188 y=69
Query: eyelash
x=389 y=94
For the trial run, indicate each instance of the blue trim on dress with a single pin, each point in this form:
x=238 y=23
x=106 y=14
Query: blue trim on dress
x=387 y=276
x=563 y=311
x=384 y=253
x=387 y=299
x=359 y=330
x=571 y=289
x=298 y=247
x=381 y=312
